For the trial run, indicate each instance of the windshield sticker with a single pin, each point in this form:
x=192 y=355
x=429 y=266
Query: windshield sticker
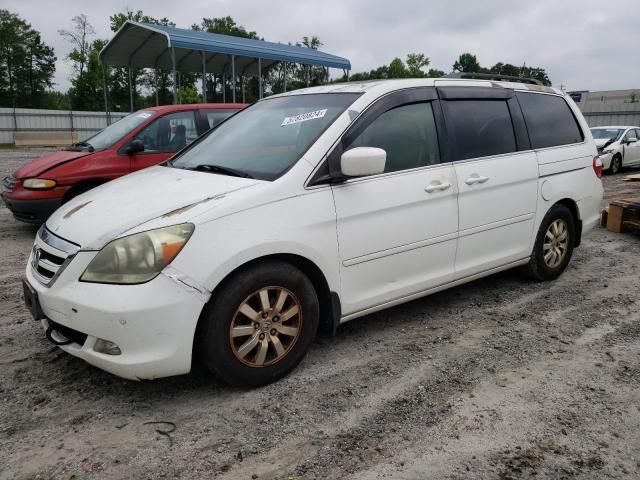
x=303 y=117
x=144 y=115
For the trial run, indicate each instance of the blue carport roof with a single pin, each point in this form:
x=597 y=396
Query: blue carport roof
x=145 y=45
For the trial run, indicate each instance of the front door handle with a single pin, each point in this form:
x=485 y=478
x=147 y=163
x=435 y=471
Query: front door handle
x=437 y=185
x=475 y=178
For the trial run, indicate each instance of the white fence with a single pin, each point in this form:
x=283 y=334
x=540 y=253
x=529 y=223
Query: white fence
x=39 y=120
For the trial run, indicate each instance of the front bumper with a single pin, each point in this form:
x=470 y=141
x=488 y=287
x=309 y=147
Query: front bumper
x=153 y=323
x=32 y=211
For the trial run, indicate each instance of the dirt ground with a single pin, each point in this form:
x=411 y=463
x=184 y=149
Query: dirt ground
x=502 y=378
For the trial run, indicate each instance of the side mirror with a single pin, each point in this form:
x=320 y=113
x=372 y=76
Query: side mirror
x=363 y=161
x=632 y=140
x=134 y=147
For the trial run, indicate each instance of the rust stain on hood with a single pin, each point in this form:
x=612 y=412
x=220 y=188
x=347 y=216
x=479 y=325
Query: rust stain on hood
x=75 y=209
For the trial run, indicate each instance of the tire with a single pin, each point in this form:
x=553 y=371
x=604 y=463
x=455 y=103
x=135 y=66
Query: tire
x=264 y=347
x=548 y=266
x=616 y=165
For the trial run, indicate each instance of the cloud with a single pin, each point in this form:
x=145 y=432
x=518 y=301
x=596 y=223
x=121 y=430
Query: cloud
x=583 y=44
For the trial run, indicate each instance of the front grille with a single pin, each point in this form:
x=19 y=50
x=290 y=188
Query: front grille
x=50 y=255
x=8 y=184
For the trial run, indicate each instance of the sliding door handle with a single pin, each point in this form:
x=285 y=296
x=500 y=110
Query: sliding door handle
x=436 y=186
x=475 y=178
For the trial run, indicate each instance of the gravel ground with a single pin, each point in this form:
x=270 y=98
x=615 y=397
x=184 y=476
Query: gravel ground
x=502 y=378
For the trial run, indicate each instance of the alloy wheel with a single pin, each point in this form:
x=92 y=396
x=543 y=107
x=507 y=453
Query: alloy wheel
x=265 y=326
x=556 y=243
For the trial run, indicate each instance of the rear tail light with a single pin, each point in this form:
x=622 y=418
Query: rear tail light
x=597 y=166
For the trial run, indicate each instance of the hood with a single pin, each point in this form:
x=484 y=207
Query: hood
x=98 y=216
x=601 y=142
x=41 y=164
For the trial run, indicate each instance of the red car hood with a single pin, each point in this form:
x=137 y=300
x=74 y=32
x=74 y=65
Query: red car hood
x=46 y=162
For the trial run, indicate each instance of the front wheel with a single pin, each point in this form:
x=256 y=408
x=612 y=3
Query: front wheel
x=554 y=244
x=259 y=325
x=616 y=165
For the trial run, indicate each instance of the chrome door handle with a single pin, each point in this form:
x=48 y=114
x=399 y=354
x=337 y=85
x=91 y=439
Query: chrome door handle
x=475 y=178
x=433 y=186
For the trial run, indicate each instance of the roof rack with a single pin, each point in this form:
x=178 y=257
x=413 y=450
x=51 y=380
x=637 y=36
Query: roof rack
x=493 y=76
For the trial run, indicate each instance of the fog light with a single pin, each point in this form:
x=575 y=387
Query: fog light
x=106 y=347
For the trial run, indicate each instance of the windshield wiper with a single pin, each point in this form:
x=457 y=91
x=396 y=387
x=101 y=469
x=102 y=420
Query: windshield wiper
x=87 y=145
x=232 y=172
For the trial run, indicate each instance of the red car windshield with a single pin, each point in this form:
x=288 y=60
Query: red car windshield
x=114 y=132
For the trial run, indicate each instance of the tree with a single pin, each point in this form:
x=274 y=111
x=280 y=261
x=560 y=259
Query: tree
x=435 y=73
x=415 y=63
x=78 y=36
x=467 y=63
x=27 y=65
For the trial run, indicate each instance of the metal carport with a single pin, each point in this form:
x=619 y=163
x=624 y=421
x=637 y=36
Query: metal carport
x=145 y=45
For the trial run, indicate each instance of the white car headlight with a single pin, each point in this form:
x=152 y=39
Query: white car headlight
x=137 y=258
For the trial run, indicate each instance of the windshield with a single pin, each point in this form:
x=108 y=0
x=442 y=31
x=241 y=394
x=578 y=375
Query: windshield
x=266 y=139
x=114 y=132
x=606 y=133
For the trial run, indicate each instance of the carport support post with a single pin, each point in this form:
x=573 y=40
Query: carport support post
x=259 y=78
x=204 y=78
x=307 y=68
x=130 y=91
x=104 y=91
x=284 y=64
x=233 y=78
x=175 y=76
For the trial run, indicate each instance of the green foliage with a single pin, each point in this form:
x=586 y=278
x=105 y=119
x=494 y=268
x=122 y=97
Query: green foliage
x=415 y=64
x=467 y=63
x=189 y=95
x=435 y=73
x=27 y=64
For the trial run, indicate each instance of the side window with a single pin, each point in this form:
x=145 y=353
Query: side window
x=169 y=133
x=214 y=117
x=630 y=134
x=408 y=135
x=480 y=128
x=549 y=120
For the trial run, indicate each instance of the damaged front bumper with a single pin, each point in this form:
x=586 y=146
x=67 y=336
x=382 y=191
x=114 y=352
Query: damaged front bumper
x=151 y=324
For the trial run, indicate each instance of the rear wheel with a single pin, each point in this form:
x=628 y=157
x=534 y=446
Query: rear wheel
x=259 y=325
x=554 y=244
x=616 y=165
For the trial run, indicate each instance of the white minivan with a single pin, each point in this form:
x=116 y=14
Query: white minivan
x=310 y=209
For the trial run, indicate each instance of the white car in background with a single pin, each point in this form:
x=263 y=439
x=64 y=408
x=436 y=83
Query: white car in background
x=618 y=147
x=313 y=208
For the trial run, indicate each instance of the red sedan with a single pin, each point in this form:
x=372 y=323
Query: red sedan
x=144 y=138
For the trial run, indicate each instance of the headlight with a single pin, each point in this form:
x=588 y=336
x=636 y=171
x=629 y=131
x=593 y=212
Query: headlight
x=607 y=150
x=38 y=183
x=137 y=258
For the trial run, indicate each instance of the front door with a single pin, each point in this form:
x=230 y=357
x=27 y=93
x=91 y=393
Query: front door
x=631 y=148
x=163 y=137
x=397 y=230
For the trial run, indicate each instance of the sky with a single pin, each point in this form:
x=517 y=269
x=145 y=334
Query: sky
x=583 y=44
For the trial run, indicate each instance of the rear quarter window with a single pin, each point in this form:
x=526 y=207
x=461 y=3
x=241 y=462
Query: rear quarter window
x=549 y=120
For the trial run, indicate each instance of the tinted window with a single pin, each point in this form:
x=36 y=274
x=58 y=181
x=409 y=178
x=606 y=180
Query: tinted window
x=406 y=133
x=480 y=128
x=169 y=133
x=115 y=132
x=549 y=119
x=214 y=117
